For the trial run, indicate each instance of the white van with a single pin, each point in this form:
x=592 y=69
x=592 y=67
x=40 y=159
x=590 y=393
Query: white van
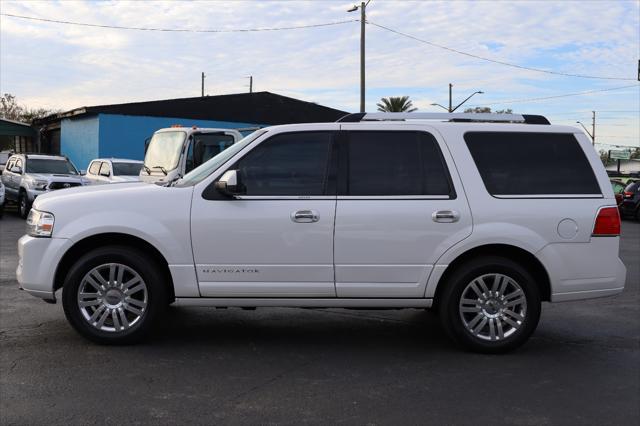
x=481 y=216
x=175 y=151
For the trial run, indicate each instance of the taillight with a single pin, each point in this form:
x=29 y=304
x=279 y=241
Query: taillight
x=627 y=194
x=607 y=223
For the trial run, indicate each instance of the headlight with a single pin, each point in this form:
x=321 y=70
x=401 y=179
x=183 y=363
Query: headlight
x=40 y=224
x=38 y=184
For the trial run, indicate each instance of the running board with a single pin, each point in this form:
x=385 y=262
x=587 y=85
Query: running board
x=303 y=303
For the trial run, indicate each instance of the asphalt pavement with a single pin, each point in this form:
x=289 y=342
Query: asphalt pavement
x=319 y=366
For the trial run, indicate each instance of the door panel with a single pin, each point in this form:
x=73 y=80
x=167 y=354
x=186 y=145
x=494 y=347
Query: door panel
x=253 y=248
x=388 y=236
x=275 y=237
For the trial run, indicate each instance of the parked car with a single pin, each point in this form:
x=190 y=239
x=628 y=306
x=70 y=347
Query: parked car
x=113 y=170
x=177 y=150
x=471 y=217
x=28 y=176
x=618 y=188
x=4 y=157
x=630 y=205
x=1 y=198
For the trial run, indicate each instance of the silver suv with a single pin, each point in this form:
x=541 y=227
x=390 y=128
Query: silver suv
x=28 y=175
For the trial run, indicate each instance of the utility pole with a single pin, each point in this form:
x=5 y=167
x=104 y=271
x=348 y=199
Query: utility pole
x=203 y=76
x=450 y=91
x=250 y=84
x=593 y=129
x=363 y=17
x=363 y=21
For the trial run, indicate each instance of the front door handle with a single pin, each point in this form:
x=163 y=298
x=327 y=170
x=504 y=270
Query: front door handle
x=305 y=216
x=445 y=216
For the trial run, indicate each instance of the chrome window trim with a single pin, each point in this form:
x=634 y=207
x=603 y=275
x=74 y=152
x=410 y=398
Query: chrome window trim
x=537 y=196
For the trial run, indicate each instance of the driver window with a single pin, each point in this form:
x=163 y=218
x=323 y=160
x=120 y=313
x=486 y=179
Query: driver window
x=105 y=169
x=18 y=163
x=287 y=164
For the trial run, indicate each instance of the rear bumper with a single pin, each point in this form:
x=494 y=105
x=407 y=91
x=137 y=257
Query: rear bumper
x=584 y=270
x=628 y=207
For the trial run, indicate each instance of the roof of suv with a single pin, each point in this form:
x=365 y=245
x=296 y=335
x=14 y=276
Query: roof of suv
x=119 y=160
x=41 y=157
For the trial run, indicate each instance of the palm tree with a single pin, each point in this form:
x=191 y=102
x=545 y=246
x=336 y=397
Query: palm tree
x=395 y=104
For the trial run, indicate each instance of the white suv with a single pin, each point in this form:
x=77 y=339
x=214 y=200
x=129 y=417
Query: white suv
x=480 y=216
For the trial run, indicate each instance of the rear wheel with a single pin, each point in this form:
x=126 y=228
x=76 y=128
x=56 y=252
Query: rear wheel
x=490 y=305
x=23 y=205
x=113 y=295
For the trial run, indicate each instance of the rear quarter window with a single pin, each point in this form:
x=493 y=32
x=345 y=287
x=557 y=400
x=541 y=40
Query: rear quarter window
x=538 y=164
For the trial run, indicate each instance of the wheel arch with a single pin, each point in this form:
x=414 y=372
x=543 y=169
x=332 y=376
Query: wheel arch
x=111 y=238
x=517 y=254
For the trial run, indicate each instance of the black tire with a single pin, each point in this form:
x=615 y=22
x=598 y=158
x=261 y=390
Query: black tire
x=448 y=303
x=638 y=214
x=23 y=205
x=144 y=266
x=1 y=210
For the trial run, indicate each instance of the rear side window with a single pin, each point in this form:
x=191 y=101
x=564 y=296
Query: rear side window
x=514 y=163
x=105 y=169
x=395 y=164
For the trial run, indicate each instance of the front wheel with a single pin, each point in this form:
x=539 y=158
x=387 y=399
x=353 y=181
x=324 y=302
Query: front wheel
x=490 y=305
x=23 y=205
x=113 y=295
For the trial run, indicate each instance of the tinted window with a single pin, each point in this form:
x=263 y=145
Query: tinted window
x=287 y=164
x=95 y=168
x=531 y=163
x=395 y=163
x=126 y=169
x=41 y=165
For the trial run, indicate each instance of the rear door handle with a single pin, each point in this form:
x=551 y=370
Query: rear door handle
x=305 y=216
x=445 y=216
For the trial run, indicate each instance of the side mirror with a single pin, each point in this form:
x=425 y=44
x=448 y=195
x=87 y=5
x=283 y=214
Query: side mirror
x=83 y=172
x=228 y=183
x=105 y=173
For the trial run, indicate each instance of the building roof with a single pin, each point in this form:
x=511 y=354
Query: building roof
x=15 y=128
x=258 y=108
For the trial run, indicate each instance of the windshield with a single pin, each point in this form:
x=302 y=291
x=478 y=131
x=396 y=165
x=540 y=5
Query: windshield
x=164 y=150
x=41 y=165
x=126 y=169
x=205 y=169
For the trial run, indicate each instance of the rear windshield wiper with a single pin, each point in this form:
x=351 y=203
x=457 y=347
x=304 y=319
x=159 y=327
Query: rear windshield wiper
x=162 y=169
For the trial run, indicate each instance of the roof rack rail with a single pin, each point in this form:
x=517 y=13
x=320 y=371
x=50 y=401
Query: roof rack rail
x=452 y=117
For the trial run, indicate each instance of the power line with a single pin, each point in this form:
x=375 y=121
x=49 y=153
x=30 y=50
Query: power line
x=495 y=61
x=180 y=30
x=513 y=101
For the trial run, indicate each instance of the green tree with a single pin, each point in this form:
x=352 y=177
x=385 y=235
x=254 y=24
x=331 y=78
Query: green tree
x=11 y=110
x=488 y=109
x=395 y=104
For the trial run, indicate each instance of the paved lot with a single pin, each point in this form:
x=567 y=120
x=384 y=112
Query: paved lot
x=303 y=366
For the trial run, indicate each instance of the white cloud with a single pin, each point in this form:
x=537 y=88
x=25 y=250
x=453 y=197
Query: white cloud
x=69 y=66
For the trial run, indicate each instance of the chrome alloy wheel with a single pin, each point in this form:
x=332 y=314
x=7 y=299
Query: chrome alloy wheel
x=112 y=297
x=493 y=307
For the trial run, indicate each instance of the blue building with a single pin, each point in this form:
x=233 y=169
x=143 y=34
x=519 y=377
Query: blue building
x=120 y=130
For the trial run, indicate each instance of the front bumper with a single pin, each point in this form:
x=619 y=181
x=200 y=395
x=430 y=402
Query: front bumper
x=38 y=259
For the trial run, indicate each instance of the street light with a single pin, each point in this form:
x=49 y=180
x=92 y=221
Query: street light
x=363 y=19
x=593 y=140
x=450 y=109
x=441 y=106
x=479 y=92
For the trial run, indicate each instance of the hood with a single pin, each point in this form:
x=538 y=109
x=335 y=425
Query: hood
x=55 y=177
x=125 y=179
x=95 y=196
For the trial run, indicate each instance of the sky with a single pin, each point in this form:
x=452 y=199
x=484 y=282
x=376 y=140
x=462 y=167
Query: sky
x=62 y=66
